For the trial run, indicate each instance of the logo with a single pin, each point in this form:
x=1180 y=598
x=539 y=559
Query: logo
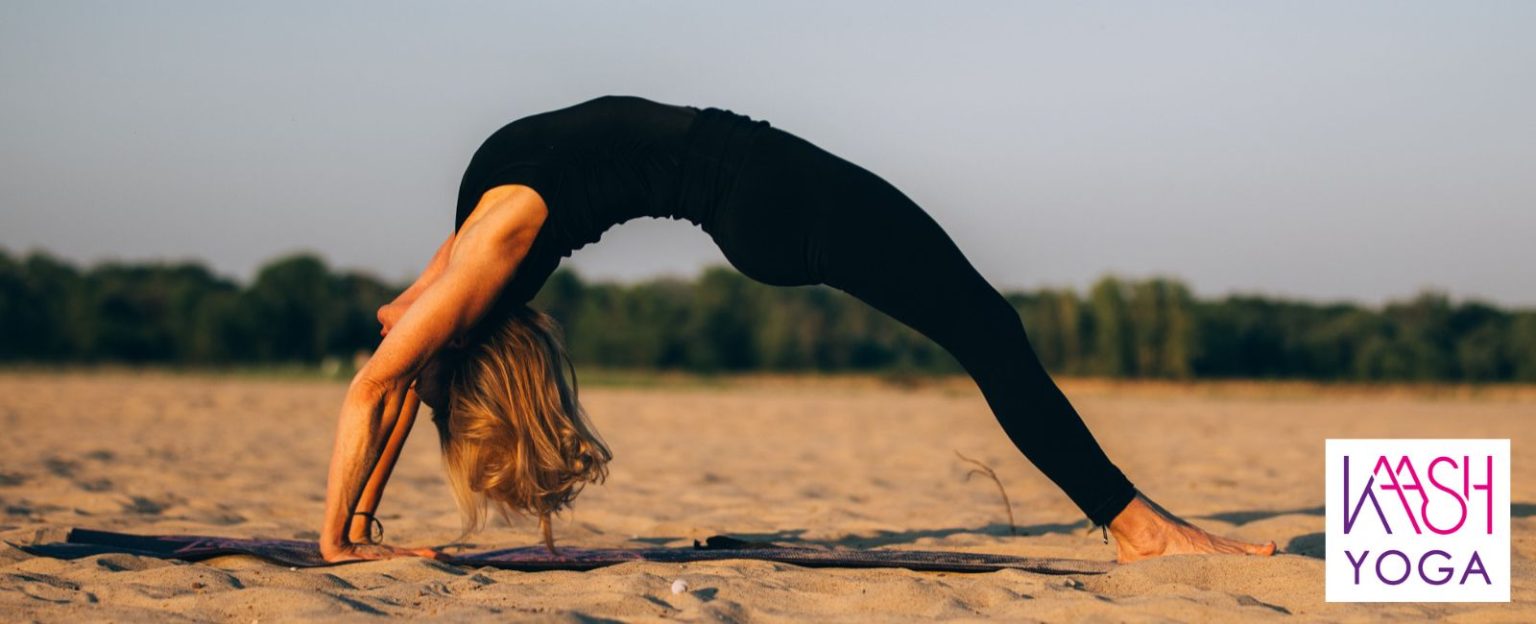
x=1418 y=521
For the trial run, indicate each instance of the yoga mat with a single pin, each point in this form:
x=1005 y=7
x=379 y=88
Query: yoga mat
x=85 y=543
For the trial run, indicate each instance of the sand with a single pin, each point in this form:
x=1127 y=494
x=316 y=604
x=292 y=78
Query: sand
x=839 y=463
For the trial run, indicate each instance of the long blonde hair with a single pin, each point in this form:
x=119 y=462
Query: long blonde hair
x=514 y=435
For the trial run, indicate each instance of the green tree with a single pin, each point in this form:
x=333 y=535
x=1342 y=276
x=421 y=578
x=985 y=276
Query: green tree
x=290 y=303
x=1113 y=340
x=1522 y=346
x=722 y=323
x=1163 y=332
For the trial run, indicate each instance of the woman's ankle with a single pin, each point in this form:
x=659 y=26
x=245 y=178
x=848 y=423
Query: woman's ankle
x=1139 y=520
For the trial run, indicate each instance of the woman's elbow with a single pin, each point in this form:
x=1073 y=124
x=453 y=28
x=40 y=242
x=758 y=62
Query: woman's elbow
x=367 y=389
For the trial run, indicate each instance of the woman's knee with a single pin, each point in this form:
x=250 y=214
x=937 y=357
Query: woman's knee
x=986 y=333
x=999 y=318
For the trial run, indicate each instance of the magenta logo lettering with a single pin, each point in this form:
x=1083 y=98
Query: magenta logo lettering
x=1418 y=520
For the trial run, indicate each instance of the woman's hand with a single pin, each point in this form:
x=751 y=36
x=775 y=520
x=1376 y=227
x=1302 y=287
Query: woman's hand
x=337 y=553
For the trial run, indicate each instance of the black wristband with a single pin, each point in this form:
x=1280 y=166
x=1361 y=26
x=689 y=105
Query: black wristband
x=373 y=524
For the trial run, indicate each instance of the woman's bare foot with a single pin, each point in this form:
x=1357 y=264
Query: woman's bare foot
x=1144 y=530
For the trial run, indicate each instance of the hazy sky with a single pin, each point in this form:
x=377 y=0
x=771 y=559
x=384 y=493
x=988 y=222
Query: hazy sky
x=1328 y=150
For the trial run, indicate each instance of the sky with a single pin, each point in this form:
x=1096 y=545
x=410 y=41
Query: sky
x=1360 y=151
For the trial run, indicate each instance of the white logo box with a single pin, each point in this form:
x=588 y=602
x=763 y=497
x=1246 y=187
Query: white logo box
x=1438 y=562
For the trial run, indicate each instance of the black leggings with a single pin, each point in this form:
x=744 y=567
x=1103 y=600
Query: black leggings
x=799 y=215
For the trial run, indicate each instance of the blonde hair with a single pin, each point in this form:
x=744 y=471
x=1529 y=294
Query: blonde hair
x=514 y=436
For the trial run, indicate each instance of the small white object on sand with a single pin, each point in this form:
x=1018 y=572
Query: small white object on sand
x=679 y=586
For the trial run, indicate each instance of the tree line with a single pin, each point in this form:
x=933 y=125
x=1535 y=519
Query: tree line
x=299 y=310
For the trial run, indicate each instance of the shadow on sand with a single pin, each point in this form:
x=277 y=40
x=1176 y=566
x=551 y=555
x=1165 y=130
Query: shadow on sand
x=1308 y=545
x=796 y=537
x=1239 y=518
x=1315 y=545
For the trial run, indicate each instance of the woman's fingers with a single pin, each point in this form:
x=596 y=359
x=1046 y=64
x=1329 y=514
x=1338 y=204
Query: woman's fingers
x=375 y=552
x=385 y=551
x=379 y=551
x=340 y=555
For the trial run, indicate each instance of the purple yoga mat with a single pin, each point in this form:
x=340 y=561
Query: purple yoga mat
x=84 y=543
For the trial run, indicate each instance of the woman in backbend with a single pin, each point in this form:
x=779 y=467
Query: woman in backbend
x=783 y=211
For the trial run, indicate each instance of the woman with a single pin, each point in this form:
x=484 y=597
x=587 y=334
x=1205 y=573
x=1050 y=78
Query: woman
x=783 y=211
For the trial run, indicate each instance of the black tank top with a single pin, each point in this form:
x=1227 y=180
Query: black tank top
x=604 y=162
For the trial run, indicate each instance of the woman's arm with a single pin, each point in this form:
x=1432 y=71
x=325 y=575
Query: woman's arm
x=356 y=454
x=399 y=425
x=391 y=312
x=400 y=421
x=482 y=259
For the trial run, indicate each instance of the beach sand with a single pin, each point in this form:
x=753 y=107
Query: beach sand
x=852 y=463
